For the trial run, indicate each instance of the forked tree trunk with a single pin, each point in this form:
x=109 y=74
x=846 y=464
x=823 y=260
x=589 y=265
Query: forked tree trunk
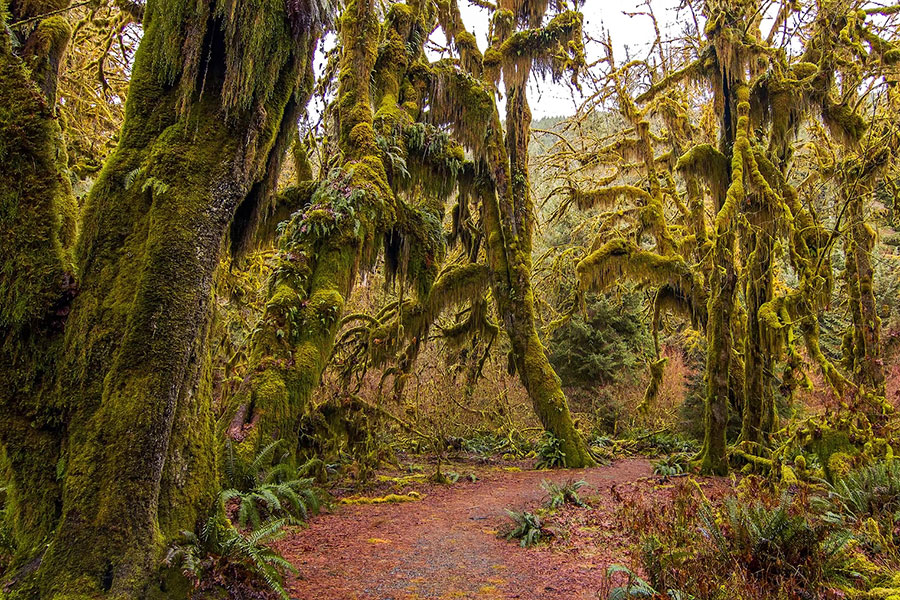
x=508 y=220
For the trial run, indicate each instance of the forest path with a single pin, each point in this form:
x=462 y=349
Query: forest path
x=446 y=545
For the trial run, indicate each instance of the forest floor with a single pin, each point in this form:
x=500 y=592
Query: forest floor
x=449 y=543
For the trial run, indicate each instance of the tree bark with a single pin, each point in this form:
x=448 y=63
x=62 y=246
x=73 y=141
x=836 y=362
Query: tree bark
x=129 y=435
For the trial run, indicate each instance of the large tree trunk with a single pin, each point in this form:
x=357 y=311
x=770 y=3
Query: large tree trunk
x=759 y=415
x=132 y=425
x=37 y=231
x=509 y=224
x=868 y=368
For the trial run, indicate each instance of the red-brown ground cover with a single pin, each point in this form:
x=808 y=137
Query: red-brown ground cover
x=446 y=545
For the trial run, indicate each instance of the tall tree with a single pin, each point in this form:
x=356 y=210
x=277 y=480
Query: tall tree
x=465 y=94
x=106 y=426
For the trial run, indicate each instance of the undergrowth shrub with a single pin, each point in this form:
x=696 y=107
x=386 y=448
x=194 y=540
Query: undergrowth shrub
x=489 y=443
x=633 y=586
x=560 y=495
x=550 y=453
x=528 y=528
x=770 y=548
x=869 y=499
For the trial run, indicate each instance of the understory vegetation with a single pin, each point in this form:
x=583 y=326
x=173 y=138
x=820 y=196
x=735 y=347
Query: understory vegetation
x=260 y=261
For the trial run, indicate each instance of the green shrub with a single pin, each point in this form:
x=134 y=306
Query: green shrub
x=560 y=495
x=489 y=443
x=550 y=453
x=527 y=528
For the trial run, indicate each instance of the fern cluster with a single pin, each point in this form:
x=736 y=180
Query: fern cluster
x=778 y=545
x=262 y=497
x=772 y=547
x=671 y=465
x=266 y=488
x=220 y=551
x=560 y=495
x=550 y=453
x=528 y=528
x=868 y=498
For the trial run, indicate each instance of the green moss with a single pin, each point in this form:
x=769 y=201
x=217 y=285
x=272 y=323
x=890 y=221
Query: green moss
x=36 y=203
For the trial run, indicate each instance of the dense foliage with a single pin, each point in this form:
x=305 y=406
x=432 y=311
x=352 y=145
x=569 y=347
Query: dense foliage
x=252 y=250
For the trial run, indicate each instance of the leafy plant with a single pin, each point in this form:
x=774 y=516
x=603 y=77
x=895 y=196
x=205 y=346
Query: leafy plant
x=560 y=495
x=550 y=453
x=222 y=553
x=528 y=529
x=671 y=465
x=777 y=545
x=262 y=490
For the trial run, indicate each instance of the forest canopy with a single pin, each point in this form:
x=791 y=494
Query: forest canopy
x=252 y=254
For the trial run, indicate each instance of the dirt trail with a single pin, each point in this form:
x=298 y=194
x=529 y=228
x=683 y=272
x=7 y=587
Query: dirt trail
x=446 y=545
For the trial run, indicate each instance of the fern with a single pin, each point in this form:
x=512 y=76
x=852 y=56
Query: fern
x=634 y=588
x=550 y=452
x=559 y=495
x=671 y=465
x=528 y=529
x=266 y=488
x=220 y=548
x=872 y=491
x=157 y=186
x=130 y=176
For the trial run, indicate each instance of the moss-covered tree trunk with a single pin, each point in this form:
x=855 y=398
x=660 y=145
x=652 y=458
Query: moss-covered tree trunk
x=759 y=418
x=324 y=243
x=733 y=95
x=133 y=436
x=37 y=281
x=868 y=368
x=509 y=225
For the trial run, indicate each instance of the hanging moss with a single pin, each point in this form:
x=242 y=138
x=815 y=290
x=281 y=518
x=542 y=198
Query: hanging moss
x=607 y=196
x=622 y=258
x=553 y=49
x=709 y=164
